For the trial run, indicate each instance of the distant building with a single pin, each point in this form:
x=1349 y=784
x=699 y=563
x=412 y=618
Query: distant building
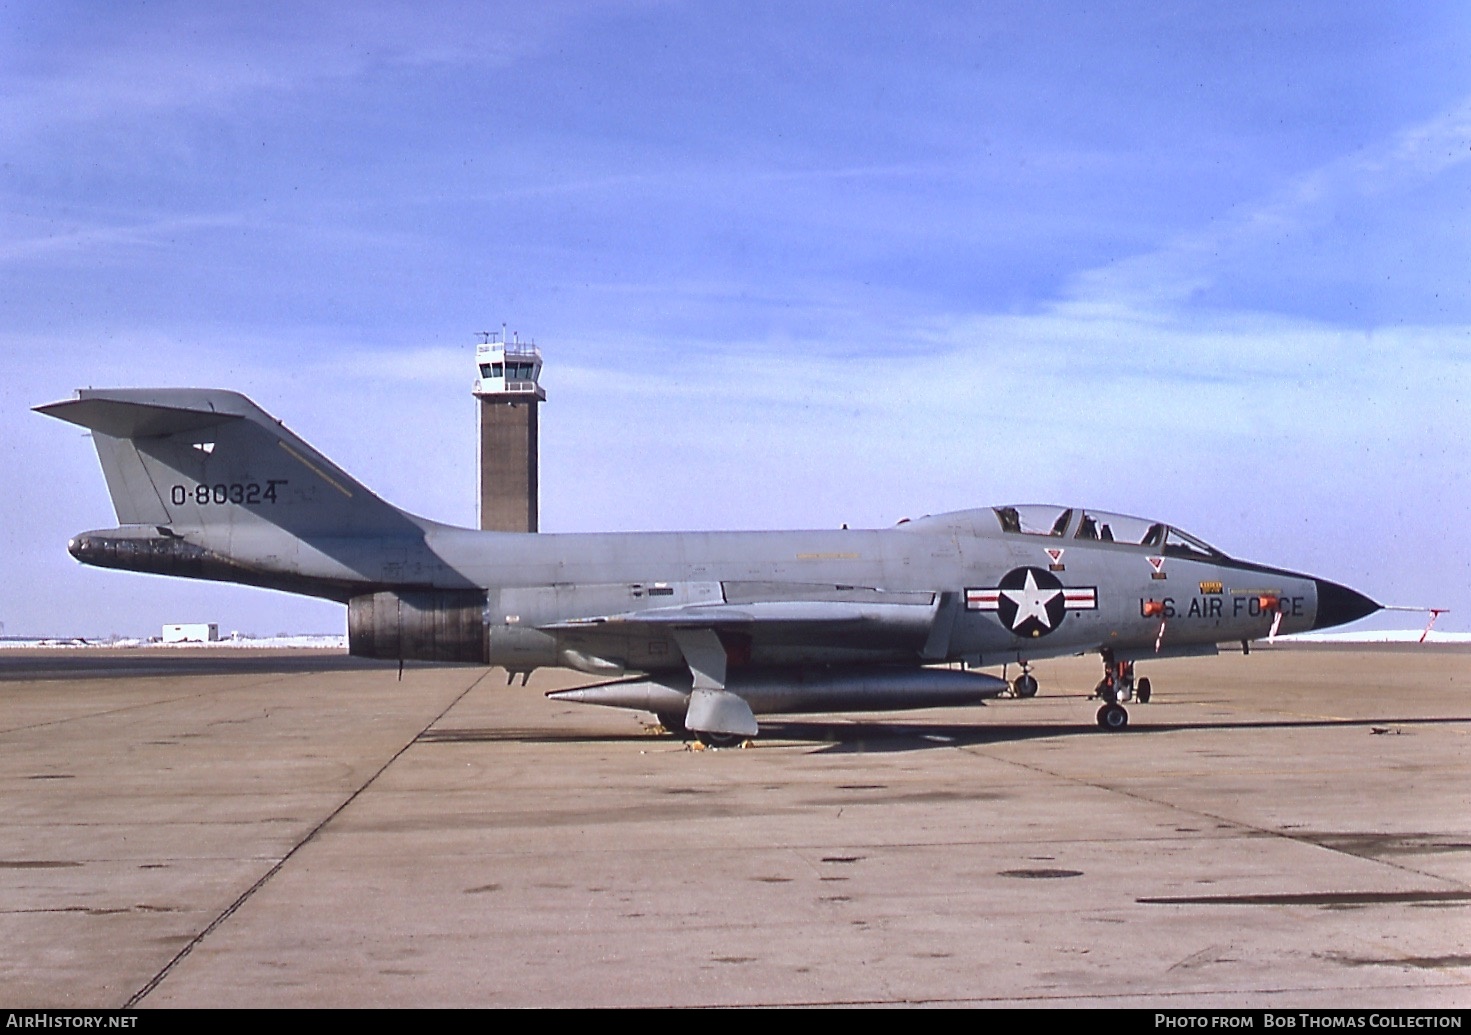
x=198 y=632
x=508 y=387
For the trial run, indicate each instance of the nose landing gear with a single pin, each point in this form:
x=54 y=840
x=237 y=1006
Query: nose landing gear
x=1113 y=717
x=1117 y=688
x=1024 y=685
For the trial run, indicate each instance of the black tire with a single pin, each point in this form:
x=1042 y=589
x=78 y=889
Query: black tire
x=718 y=740
x=1104 y=691
x=1143 y=690
x=1024 y=686
x=673 y=724
x=1113 y=717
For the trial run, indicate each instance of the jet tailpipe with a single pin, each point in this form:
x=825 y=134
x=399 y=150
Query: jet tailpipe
x=772 y=692
x=427 y=625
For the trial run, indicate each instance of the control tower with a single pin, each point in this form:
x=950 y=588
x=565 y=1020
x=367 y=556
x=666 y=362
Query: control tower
x=510 y=395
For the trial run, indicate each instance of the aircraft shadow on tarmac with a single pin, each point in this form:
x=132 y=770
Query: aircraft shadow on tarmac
x=892 y=737
x=887 y=737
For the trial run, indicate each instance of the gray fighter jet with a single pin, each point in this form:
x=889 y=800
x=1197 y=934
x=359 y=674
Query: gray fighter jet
x=703 y=629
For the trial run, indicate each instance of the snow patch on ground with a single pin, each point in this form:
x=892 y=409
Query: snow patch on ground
x=1377 y=636
x=317 y=642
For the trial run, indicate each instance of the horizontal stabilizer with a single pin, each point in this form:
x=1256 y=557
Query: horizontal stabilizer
x=123 y=418
x=212 y=464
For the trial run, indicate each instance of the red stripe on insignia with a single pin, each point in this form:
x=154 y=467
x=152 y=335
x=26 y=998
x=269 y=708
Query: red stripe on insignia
x=1084 y=599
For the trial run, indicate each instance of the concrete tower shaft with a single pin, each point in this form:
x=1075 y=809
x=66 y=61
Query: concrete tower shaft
x=510 y=395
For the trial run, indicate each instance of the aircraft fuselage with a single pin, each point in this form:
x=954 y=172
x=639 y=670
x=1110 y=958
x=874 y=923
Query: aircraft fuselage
x=207 y=485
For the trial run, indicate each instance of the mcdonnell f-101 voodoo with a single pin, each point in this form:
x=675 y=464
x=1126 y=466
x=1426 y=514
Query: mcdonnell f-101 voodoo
x=704 y=629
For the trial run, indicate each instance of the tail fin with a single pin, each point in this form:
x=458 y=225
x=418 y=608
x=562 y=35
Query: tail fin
x=209 y=485
x=188 y=458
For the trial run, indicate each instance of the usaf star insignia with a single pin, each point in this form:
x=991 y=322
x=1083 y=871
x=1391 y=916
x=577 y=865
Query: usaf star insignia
x=1031 y=602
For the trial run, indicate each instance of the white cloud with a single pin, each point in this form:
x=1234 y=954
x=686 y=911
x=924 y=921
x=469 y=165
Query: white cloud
x=1171 y=274
x=135 y=60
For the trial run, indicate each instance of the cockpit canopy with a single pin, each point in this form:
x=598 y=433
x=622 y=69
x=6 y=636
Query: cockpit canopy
x=1101 y=527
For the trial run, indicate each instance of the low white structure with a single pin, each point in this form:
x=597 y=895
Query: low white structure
x=197 y=632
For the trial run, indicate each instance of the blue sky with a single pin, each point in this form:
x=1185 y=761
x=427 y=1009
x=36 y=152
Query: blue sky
x=791 y=265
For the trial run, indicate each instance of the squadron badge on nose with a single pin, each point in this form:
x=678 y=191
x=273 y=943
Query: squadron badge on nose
x=1032 y=602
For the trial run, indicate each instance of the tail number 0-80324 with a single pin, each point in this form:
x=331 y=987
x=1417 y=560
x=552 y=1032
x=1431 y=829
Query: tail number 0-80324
x=221 y=492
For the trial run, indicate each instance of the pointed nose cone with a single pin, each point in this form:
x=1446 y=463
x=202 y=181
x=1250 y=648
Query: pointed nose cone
x=1338 y=605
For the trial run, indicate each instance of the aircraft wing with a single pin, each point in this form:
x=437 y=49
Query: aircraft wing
x=783 y=612
x=777 y=612
x=735 y=603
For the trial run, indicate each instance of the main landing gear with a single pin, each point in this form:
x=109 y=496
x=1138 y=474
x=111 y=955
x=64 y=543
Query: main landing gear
x=675 y=727
x=719 y=740
x=1117 y=688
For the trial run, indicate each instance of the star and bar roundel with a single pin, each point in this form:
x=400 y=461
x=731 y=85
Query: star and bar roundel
x=1032 y=602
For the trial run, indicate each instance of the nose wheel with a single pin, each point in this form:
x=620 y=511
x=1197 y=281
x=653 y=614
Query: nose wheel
x=1116 y=688
x=1113 y=717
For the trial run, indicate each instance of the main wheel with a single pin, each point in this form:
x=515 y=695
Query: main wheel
x=1024 y=686
x=1113 y=717
x=1142 y=690
x=673 y=724
x=718 y=740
